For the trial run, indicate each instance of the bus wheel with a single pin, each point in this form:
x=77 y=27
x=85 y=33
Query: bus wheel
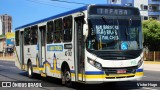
x=67 y=78
x=30 y=70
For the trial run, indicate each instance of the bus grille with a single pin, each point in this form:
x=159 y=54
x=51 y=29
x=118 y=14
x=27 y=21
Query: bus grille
x=117 y=55
x=120 y=77
x=129 y=70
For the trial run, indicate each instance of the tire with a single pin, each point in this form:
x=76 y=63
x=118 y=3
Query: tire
x=30 y=70
x=66 y=78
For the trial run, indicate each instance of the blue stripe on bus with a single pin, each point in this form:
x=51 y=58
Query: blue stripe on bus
x=53 y=17
x=41 y=66
x=94 y=72
x=139 y=70
x=72 y=71
x=34 y=65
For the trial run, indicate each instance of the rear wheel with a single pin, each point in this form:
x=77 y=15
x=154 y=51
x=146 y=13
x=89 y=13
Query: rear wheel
x=66 y=78
x=30 y=70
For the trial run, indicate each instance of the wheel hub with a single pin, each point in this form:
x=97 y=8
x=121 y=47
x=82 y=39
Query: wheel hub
x=68 y=76
x=29 y=71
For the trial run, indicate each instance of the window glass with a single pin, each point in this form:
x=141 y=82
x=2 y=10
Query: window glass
x=145 y=18
x=17 y=38
x=113 y=34
x=27 y=36
x=58 y=30
x=67 y=31
x=50 y=32
x=34 y=35
x=145 y=7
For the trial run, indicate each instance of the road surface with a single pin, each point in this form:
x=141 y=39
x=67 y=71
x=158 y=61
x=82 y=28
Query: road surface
x=8 y=72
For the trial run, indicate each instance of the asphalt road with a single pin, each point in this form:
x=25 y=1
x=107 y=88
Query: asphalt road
x=8 y=72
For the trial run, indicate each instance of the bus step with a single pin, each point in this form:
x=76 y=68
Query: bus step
x=43 y=74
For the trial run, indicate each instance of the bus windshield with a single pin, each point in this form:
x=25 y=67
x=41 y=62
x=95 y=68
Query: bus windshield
x=114 y=34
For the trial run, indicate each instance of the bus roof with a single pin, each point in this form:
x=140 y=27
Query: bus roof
x=66 y=13
x=53 y=17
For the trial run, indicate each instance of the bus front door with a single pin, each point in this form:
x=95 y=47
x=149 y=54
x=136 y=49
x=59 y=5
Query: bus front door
x=79 y=48
x=42 y=52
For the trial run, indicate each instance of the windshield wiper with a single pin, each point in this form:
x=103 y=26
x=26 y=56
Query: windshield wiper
x=104 y=19
x=129 y=25
x=126 y=29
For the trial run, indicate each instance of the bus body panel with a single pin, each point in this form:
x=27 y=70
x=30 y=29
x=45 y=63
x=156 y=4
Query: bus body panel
x=93 y=74
x=56 y=54
x=17 y=59
x=30 y=54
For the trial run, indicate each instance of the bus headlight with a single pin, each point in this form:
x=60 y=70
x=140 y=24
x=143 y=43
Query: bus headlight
x=95 y=63
x=140 y=62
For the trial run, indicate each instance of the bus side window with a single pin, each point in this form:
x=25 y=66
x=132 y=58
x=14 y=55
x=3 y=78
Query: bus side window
x=27 y=36
x=34 y=33
x=58 y=31
x=17 y=38
x=67 y=29
x=50 y=31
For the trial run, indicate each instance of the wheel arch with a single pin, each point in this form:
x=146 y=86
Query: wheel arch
x=64 y=66
x=28 y=61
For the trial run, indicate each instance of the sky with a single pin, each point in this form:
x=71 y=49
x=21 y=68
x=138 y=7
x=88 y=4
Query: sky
x=27 y=11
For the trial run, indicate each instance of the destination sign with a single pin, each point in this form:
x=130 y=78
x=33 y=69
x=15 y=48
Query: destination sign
x=113 y=11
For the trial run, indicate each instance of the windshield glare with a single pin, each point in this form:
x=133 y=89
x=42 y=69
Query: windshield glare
x=114 y=34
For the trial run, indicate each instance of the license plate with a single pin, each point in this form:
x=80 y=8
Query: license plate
x=121 y=71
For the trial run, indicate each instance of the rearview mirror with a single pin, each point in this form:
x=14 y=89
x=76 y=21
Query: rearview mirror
x=85 y=31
